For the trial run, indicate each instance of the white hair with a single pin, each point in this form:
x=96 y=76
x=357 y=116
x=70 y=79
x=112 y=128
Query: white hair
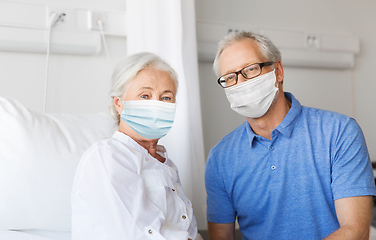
x=126 y=70
x=266 y=47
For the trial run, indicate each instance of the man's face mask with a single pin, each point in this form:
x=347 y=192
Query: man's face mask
x=254 y=97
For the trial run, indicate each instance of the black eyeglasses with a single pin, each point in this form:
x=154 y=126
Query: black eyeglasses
x=249 y=72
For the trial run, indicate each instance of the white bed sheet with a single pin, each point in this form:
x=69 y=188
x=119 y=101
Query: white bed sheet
x=34 y=235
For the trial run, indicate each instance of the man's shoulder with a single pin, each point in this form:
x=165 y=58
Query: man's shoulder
x=323 y=115
x=230 y=146
x=239 y=132
x=329 y=121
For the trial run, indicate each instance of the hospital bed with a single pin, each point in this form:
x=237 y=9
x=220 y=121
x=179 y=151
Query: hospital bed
x=38 y=158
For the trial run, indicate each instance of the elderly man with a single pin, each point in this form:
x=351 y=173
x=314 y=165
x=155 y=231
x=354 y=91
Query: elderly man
x=288 y=172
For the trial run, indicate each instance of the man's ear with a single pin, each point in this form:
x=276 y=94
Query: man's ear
x=279 y=73
x=118 y=104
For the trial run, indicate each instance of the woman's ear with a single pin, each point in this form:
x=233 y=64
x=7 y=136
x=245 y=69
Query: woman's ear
x=118 y=104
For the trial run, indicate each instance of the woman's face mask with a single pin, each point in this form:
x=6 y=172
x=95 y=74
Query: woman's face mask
x=151 y=119
x=149 y=103
x=254 y=97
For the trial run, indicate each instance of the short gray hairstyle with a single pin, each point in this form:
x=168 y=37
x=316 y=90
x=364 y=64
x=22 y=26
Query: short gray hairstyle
x=267 y=48
x=126 y=70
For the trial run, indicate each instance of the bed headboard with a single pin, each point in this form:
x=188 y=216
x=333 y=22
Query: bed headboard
x=38 y=157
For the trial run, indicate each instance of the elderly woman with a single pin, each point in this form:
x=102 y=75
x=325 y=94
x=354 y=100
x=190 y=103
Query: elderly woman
x=125 y=186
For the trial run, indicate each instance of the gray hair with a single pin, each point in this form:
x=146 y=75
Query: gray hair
x=267 y=48
x=126 y=70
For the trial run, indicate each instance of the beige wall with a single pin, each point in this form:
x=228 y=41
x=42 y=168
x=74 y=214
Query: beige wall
x=77 y=84
x=350 y=92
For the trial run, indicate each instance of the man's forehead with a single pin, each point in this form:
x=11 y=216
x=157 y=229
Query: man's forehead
x=238 y=55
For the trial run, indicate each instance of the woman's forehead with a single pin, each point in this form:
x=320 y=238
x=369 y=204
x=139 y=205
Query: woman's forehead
x=152 y=79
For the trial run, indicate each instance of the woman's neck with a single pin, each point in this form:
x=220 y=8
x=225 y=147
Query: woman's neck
x=149 y=144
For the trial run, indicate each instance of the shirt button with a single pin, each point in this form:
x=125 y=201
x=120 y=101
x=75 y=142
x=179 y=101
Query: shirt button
x=273 y=167
x=271 y=148
x=184 y=217
x=150 y=231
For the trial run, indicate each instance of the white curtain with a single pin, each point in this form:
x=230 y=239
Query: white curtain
x=168 y=29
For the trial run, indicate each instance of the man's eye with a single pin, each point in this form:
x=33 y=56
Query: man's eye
x=250 y=69
x=230 y=78
x=166 y=98
x=144 y=96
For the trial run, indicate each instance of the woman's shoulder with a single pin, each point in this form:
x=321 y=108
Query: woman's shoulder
x=107 y=161
x=111 y=153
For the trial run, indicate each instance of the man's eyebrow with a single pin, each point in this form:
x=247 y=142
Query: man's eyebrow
x=234 y=71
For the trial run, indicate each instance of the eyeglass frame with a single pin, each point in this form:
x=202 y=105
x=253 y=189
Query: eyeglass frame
x=261 y=65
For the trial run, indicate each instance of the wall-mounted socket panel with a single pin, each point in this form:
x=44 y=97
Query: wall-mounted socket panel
x=96 y=18
x=114 y=23
x=239 y=28
x=37 y=16
x=66 y=20
x=312 y=41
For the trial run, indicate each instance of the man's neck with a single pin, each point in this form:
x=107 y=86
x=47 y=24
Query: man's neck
x=264 y=125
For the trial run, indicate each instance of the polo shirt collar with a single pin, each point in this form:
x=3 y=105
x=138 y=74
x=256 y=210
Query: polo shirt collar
x=287 y=125
x=250 y=133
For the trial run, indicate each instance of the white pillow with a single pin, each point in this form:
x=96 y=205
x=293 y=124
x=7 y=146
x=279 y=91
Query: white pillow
x=38 y=158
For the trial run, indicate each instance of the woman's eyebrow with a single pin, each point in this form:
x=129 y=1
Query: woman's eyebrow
x=169 y=91
x=150 y=88
x=147 y=88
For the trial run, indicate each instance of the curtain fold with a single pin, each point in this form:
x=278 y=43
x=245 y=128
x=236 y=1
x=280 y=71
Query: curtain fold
x=168 y=29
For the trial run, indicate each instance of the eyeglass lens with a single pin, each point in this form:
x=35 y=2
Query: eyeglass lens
x=248 y=72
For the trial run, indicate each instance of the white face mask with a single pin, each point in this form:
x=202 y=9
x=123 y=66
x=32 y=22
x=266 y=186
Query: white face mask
x=253 y=98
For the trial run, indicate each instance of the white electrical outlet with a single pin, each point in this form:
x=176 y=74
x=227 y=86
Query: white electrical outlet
x=66 y=20
x=239 y=28
x=230 y=30
x=94 y=18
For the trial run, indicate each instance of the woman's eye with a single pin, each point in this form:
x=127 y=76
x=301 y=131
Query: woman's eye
x=144 y=96
x=166 y=98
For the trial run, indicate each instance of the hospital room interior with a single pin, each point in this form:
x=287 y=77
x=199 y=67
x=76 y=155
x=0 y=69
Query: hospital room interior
x=55 y=78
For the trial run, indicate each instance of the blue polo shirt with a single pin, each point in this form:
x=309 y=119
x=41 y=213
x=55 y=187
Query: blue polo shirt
x=284 y=188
